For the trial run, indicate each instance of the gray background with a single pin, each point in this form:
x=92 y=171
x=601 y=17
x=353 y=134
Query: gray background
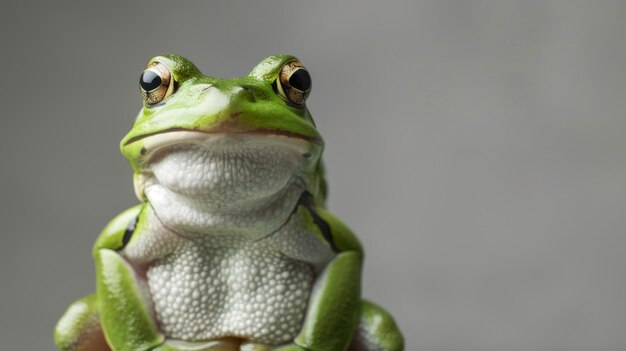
x=477 y=148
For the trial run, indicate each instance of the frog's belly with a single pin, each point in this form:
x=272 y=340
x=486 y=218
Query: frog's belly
x=201 y=294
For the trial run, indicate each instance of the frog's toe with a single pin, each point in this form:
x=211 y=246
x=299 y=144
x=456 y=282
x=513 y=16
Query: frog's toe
x=226 y=344
x=79 y=329
x=291 y=347
x=252 y=346
x=377 y=331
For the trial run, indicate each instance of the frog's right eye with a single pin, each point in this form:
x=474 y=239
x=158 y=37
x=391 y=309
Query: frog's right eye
x=293 y=83
x=156 y=83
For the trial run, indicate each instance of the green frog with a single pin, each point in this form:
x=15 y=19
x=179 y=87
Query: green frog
x=231 y=247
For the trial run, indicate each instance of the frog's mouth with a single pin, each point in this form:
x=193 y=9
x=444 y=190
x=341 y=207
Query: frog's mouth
x=223 y=169
x=154 y=142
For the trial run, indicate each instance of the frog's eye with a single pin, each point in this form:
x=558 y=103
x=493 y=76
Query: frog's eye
x=156 y=83
x=294 y=83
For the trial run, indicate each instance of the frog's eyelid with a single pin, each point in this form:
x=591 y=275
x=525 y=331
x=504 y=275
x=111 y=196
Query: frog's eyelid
x=275 y=87
x=279 y=87
x=170 y=88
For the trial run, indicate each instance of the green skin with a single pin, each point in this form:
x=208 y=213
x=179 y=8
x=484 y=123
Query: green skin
x=118 y=317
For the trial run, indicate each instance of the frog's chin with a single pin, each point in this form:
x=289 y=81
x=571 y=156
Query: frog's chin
x=222 y=171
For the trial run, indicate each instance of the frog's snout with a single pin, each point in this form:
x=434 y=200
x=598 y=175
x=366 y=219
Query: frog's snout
x=234 y=93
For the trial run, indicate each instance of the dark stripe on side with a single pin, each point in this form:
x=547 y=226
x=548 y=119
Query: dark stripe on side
x=129 y=231
x=306 y=200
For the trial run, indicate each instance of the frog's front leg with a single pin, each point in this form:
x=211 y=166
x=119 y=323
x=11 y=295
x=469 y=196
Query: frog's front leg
x=123 y=300
x=125 y=316
x=337 y=319
x=334 y=306
x=333 y=312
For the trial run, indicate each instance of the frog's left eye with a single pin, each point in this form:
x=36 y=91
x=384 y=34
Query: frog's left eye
x=294 y=83
x=156 y=83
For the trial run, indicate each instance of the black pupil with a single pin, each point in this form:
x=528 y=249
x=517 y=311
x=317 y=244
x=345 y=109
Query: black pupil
x=149 y=80
x=300 y=80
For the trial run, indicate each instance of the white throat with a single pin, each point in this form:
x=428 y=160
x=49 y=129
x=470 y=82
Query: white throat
x=224 y=184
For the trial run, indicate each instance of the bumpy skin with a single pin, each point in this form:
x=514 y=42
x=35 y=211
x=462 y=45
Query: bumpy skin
x=231 y=247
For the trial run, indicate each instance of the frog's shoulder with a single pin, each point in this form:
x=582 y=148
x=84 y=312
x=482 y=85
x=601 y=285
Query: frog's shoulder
x=114 y=235
x=339 y=235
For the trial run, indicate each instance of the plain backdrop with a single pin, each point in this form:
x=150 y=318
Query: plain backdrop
x=477 y=148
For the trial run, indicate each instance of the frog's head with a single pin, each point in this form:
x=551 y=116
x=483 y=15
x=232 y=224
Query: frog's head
x=226 y=139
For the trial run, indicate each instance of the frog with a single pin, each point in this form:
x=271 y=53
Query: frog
x=231 y=246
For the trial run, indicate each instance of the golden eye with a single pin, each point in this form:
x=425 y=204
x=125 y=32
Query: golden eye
x=294 y=83
x=156 y=83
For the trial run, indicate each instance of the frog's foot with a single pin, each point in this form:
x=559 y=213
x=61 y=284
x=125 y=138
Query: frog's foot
x=225 y=344
x=252 y=346
x=213 y=345
x=377 y=331
x=79 y=329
